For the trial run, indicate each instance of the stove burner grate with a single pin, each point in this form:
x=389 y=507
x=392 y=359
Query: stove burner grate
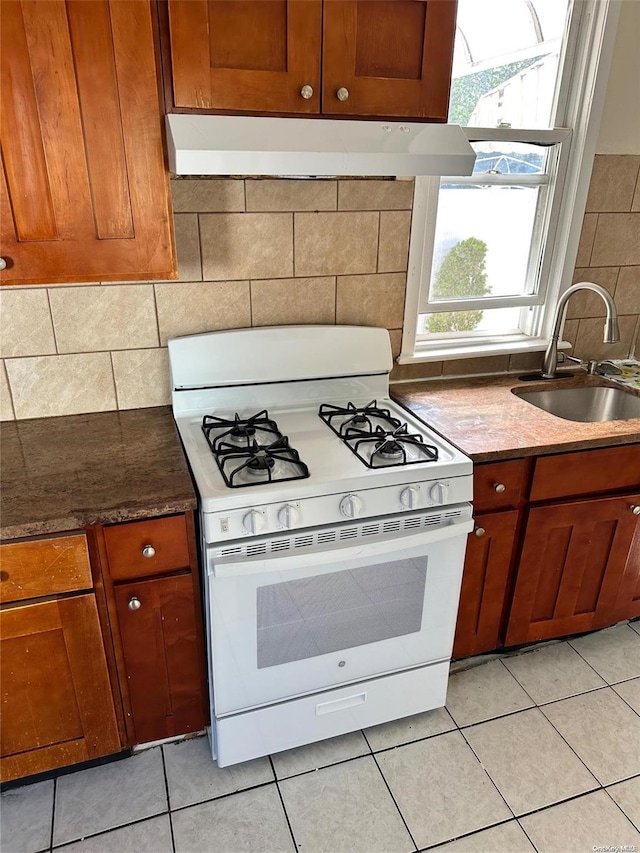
x=263 y=453
x=345 y=419
x=375 y=436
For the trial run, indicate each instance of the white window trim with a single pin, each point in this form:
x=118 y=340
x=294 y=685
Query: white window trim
x=583 y=108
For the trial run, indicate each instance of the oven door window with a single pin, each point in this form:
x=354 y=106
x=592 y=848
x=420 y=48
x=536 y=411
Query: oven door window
x=317 y=615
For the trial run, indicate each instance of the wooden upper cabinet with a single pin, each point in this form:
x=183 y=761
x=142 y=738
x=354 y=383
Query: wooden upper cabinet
x=388 y=57
x=391 y=58
x=83 y=193
x=254 y=55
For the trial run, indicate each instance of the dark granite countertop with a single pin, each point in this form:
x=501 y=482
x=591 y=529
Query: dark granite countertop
x=66 y=473
x=485 y=420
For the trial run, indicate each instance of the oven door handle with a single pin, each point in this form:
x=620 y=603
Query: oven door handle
x=336 y=554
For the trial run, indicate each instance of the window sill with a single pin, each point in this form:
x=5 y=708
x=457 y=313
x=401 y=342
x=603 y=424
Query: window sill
x=448 y=351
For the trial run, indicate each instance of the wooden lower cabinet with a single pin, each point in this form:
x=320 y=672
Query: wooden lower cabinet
x=485 y=583
x=151 y=578
x=162 y=656
x=570 y=573
x=57 y=705
x=628 y=601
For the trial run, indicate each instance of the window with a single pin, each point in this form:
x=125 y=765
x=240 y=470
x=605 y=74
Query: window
x=490 y=251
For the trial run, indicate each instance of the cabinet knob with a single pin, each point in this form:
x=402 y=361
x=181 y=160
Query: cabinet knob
x=3 y=264
x=134 y=603
x=342 y=94
x=635 y=509
x=307 y=92
x=148 y=551
x=499 y=488
x=479 y=531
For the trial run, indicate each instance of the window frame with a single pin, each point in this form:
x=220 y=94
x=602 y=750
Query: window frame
x=585 y=63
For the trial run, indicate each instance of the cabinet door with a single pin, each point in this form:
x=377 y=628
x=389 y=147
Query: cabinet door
x=484 y=583
x=57 y=707
x=390 y=57
x=253 y=55
x=628 y=601
x=162 y=656
x=571 y=568
x=83 y=191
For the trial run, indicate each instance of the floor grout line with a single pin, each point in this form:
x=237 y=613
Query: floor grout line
x=53 y=812
x=399 y=810
x=284 y=808
x=166 y=791
x=107 y=831
x=620 y=809
x=468 y=834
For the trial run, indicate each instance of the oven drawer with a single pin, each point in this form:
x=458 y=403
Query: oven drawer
x=142 y=548
x=333 y=712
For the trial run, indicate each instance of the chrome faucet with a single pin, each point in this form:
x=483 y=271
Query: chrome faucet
x=611 y=330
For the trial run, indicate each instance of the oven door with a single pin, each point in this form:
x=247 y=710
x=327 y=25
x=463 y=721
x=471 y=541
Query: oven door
x=283 y=626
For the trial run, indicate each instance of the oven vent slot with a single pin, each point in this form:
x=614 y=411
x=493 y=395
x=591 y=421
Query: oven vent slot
x=454 y=513
x=280 y=545
x=370 y=529
x=391 y=526
x=349 y=533
x=302 y=541
x=411 y=523
x=229 y=552
x=258 y=548
x=433 y=520
x=327 y=536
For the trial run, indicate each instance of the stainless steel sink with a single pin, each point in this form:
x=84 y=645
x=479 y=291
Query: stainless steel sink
x=585 y=404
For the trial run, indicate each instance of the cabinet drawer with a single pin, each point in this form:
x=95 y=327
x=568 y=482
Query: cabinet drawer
x=143 y=548
x=587 y=472
x=44 y=567
x=489 y=479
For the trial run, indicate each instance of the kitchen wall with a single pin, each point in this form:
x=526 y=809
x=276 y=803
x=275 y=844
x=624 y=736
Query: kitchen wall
x=265 y=252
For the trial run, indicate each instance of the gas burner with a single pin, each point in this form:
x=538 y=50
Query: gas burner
x=378 y=439
x=346 y=420
x=244 y=460
x=239 y=432
x=389 y=448
x=259 y=463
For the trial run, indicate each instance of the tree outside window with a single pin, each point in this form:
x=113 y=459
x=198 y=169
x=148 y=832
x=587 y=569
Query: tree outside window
x=462 y=274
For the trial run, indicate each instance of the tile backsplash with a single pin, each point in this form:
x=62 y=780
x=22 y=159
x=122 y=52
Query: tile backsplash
x=267 y=252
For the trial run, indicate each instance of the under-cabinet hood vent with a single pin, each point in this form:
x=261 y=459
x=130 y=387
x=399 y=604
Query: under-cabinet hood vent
x=247 y=145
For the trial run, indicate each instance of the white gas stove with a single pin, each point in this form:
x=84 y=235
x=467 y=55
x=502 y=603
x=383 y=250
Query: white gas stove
x=333 y=524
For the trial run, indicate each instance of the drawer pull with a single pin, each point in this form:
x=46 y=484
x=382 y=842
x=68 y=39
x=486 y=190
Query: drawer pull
x=479 y=531
x=134 y=603
x=635 y=509
x=499 y=488
x=148 y=551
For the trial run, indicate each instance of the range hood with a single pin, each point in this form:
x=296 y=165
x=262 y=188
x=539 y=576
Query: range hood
x=247 y=145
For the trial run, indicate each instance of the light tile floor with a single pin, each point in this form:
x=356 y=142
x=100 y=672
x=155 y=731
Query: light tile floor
x=536 y=751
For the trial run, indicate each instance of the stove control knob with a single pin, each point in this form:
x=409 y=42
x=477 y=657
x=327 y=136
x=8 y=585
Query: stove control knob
x=351 y=506
x=253 y=522
x=409 y=497
x=288 y=515
x=438 y=493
